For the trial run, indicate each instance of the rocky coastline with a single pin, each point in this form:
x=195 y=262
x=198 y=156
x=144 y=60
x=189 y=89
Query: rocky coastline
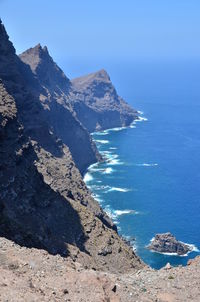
x=56 y=243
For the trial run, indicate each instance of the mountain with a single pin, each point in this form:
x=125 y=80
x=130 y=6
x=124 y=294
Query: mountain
x=92 y=98
x=97 y=104
x=44 y=202
x=53 y=91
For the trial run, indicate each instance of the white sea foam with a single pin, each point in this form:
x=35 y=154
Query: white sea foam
x=102 y=141
x=117 y=129
x=100 y=133
x=141 y=119
x=114 y=162
x=147 y=165
x=111 y=189
x=113 y=148
x=88 y=177
x=140 y=112
x=111 y=214
x=108 y=170
x=109 y=154
x=114 y=214
x=125 y=212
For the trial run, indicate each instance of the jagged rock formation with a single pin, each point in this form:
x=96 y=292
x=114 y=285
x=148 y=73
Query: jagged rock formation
x=44 y=202
x=53 y=92
x=167 y=243
x=97 y=103
x=92 y=98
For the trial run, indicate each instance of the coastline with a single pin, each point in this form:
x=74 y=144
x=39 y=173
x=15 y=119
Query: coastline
x=112 y=159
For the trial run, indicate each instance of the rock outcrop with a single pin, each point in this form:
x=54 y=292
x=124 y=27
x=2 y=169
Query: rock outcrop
x=97 y=104
x=167 y=243
x=44 y=202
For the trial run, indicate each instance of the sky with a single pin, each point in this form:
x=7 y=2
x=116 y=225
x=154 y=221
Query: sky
x=98 y=31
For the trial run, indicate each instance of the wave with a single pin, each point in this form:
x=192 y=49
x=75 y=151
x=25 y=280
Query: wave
x=112 y=159
x=102 y=141
x=111 y=189
x=88 y=177
x=97 y=198
x=114 y=214
x=117 y=129
x=100 y=133
x=140 y=112
x=113 y=148
x=147 y=165
x=114 y=162
x=125 y=212
x=141 y=119
x=108 y=170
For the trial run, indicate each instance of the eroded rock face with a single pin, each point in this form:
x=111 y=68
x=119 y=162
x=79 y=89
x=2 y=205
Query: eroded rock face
x=167 y=243
x=53 y=90
x=44 y=202
x=97 y=104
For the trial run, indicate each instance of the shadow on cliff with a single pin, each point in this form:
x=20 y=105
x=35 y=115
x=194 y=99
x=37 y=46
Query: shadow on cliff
x=31 y=213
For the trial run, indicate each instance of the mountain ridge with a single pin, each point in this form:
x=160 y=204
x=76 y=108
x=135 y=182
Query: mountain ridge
x=44 y=202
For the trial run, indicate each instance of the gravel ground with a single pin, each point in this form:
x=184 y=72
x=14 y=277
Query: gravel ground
x=34 y=275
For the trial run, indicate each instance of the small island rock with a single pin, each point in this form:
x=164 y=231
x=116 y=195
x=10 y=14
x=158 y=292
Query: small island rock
x=167 y=243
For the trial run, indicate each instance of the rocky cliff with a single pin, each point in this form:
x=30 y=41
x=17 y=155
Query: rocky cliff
x=44 y=202
x=53 y=92
x=92 y=98
x=97 y=104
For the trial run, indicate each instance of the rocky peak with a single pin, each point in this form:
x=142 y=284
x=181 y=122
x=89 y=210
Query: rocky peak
x=5 y=46
x=46 y=70
x=94 y=79
x=97 y=104
x=101 y=74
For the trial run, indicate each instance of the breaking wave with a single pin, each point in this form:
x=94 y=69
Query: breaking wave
x=88 y=177
x=147 y=165
x=102 y=141
x=111 y=189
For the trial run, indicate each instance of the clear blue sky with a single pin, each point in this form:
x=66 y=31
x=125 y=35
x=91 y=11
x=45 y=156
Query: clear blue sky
x=106 y=29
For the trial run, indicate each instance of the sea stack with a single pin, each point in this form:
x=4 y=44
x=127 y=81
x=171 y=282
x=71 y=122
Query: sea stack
x=167 y=243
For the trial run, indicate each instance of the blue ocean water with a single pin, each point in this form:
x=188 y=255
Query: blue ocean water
x=151 y=181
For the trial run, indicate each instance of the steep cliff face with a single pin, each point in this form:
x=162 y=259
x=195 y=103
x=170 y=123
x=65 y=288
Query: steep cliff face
x=53 y=93
x=97 y=103
x=44 y=202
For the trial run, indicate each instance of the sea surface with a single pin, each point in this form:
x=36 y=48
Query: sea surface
x=150 y=181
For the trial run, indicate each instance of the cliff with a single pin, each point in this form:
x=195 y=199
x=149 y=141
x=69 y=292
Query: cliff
x=97 y=104
x=53 y=89
x=44 y=202
x=92 y=98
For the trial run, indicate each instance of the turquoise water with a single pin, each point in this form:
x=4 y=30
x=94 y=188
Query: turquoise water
x=150 y=182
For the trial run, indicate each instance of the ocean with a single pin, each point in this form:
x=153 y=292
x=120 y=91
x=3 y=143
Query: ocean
x=150 y=182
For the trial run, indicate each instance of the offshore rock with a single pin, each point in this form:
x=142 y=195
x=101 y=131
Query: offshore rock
x=167 y=243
